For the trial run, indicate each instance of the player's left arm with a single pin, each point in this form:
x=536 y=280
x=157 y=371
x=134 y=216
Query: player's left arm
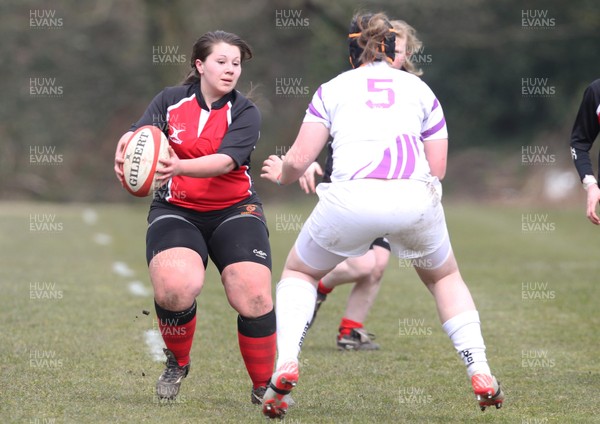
x=434 y=133
x=202 y=167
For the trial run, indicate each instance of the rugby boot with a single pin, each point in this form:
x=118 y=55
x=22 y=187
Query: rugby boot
x=358 y=339
x=276 y=399
x=169 y=381
x=487 y=391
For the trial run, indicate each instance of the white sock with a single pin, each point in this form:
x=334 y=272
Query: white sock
x=294 y=307
x=464 y=330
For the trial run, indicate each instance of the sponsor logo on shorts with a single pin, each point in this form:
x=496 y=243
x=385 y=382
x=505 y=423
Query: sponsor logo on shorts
x=259 y=254
x=251 y=210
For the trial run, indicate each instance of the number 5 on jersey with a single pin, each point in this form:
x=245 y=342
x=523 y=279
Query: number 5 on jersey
x=381 y=89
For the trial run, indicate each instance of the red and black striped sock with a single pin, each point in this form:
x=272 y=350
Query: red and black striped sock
x=258 y=344
x=177 y=330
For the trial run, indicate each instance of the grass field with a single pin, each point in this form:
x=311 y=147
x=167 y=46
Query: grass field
x=73 y=349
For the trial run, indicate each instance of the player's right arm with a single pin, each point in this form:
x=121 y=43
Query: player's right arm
x=153 y=115
x=311 y=138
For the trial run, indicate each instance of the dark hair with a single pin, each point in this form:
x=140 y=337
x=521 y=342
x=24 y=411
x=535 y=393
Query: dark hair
x=204 y=47
x=371 y=38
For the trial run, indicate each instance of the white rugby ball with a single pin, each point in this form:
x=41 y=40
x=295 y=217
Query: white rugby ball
x=143 y=150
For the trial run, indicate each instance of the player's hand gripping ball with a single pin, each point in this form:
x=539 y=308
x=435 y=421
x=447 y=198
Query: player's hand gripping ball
x=145 y=148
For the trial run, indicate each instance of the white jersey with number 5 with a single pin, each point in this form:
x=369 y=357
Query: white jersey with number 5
x=378 y=117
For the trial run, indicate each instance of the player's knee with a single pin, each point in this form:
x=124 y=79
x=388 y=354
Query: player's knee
x=449 y=269
x=173 y=300
x=174 y=291
x=377 y=274
x=252 y=305
x=362 y=267
x=364 y=273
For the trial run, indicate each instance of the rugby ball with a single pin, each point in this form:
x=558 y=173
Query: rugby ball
x=143 y=150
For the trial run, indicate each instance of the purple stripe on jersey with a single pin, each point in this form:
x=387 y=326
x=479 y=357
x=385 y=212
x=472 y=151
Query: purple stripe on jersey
x=314 y=111
x=407 y=150
x=400 y=161
x=409 y=161
x=435 y=104
x=433 y=129
x=383 y=168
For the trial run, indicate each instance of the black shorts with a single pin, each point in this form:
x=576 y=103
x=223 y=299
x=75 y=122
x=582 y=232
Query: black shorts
x=231 y=235
x=381 y=242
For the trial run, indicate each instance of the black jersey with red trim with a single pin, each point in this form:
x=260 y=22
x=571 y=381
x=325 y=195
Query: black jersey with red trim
x=586 y=129
x=231 y=126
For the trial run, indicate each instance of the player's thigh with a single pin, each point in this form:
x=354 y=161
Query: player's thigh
x=248 y=288
x=307 y=259
x=177 y=273
x=240 y=249
x=176 y=255
x=240 y=239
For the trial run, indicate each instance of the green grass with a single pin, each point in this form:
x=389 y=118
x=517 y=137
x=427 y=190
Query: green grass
x=80 y=356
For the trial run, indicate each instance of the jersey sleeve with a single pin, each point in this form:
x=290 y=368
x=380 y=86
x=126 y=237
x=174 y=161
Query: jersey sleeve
x=155 y=114
x=434 y=123
x=586 y=129
x=317 y=112
x=242 y=135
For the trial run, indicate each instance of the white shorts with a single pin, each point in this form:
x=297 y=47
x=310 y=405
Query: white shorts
x=351 y=214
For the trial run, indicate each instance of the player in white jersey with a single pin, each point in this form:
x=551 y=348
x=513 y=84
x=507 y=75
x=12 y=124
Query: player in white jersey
x=389 y=151
x=364 y=272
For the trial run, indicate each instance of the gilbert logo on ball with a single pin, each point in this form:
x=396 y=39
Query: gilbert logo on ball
x=145 y=148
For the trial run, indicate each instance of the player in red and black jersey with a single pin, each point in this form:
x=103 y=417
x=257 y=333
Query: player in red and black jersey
x=585 y=130
x=207 y=207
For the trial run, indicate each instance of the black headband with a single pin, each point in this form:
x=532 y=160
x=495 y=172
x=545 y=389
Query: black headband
x=387 y=46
